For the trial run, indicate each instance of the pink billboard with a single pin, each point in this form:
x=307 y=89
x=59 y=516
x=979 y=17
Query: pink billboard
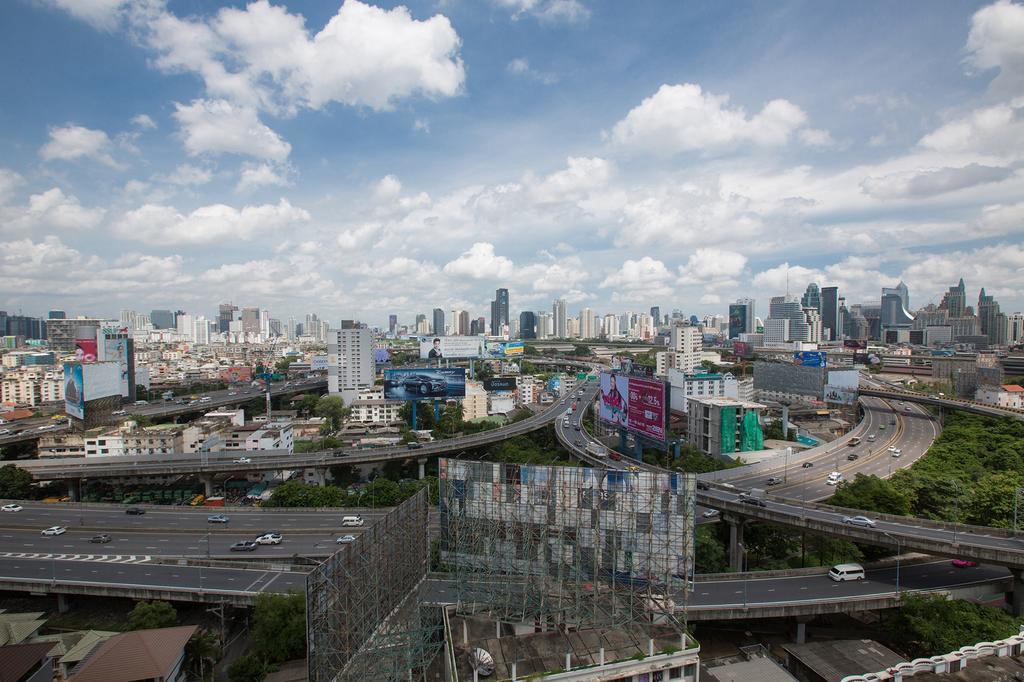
x=647 y=409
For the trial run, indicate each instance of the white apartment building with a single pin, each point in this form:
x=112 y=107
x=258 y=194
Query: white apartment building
x=32 y=386
x=683 y=386
x=350 y=367
x=259 y=437
x=371 y=408
x=685 y=346
x=1007 y=395
x=132 y=439
x=529 y=391
x=474 y=405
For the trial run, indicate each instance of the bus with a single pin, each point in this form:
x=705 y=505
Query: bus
x=854 y=442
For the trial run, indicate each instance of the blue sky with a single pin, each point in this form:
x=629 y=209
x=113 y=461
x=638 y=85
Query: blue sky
x=355 y=159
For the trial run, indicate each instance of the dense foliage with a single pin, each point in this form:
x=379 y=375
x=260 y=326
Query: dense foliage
x=929 y=625
x=380 y=492
x=15 y=482
x=279 y=626
x=148 y=615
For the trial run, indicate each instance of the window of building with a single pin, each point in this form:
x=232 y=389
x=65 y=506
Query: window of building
x=675 y=673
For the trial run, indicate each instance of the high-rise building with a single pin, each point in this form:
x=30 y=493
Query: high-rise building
x=291 y=330
x=463 y=326
x=587 y=330
x=275 y=327
x=811 y=297
x=438 y=322
x=686 y=342
x=610 y=326
x=225 y=316
x=56 y=315
x=475 y=327
x=991 y=322
x=265 y=324
x=350 y=367
x=831 y=330
x=23 y=325
x=894 y=311
x=527 y=325
x=162 y=319
x=392 y=324
x=558 y=315
x=499 y=312
x=62 y=333
x=741 y=318
x=656 y=314
x=955 y=300
x=250 y=319
x=1015 y=328
x=795 y=328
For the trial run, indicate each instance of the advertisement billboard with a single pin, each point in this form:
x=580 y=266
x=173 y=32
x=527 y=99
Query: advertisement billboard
x=100 y=380
x=855 y=343
x=505 y=349
x=848 y=379
x=840 y=395
x=236 y=375
x=85 y=350
x=424 y=382
x=118 y=350
x=555 y=385
x=636 y=403
x=74 y=396
x=742 y=349
x=810 y=358
x=500 y=384
x=437 y=347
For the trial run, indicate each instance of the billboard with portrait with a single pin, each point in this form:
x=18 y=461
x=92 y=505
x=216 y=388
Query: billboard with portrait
x=424 y=382
x=810 y=358
x=74 y=395
x=500 y=384
x=840 y=395
x=85 y=350
x=505 y=349
x=437 y=347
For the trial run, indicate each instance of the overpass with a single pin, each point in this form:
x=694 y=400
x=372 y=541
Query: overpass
x=945 y=403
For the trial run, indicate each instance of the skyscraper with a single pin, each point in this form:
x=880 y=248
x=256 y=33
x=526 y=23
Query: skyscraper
x=741 y=317
x=527 y=325
x=786 y=321
x=56 y=315
x=656 y=314
x=587 y=330
x=831 y=330
x=463 y=323
x=162 y=319
x=499 y=312
x=349 y=362
x=392 y=324
x=250 y=320
x=895 y=307
x=558 y=318
x=438 y=322
x=991 y=322
x=225 y=315
x=812 y=297
x=954 y=301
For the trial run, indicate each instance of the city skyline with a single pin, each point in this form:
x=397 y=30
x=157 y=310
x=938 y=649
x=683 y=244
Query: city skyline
x=682 y=169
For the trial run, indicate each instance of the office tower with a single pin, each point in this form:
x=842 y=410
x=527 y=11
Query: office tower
x=463 y=323
x=185 y=324
x=812 y=297
x=56 y=315
x=225 y=316
x=62 y=333
x=25 y=326
x=954 y=301
x=558 y=318
x=438 y=322
x=656 y=314
x=831 y=330
x=392 y=324
x=290 y=330
x=894 y=310
x=644 y=326
x=1015 y=328
x=162 y=319
x=991 y=322
x=741 y=318
x=527 y=325
x=202 y=329
x=265 y=324
x=610 y=326
x=350 y=324
x=250 y=318
x=499 y=312
x=275 y=327
x=786 y=321
x=475 y=327
x=813 y=318
x=587 y=330
x=350 y=365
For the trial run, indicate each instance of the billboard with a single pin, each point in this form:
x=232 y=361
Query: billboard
x=840 y=395
x=85 y=350
x=504 y=349
x=500 y=384
x=810 y=358
x=636 y=403
x=855 y=343
x=742 y=349
x=236 y=374
x=119 y=350
x=848 y=379
x=437 y=347
x=420 y=383
x=74 y=395
x=555 y=385
x=381 y=356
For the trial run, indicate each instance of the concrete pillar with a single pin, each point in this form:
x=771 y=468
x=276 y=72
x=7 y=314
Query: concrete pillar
x=735 y=540
x=319 y=477
x=62 y=603
x=207 y=480
x=423 y=467
x=1017 y=596
x=74 y=490
x=800 y=635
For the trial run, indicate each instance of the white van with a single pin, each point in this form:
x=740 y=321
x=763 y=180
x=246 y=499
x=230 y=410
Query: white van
x=351 y=521
x=843 y=572
x=871 y=438
x=834 y=478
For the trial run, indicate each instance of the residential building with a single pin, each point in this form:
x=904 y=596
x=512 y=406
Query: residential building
x=250 y=319
x=683 y=386
x=162 y=319
x=132 y=439
x=33 y=385
x=610 y=327
x=259 y=437
x=371 y=408
x=463 y=326
x=587 y=324
x=991 y=322
x=392 y=324
x=558 y=312
x=350 y=362
x=685 y=345
x=724 y=426
x=1008 y=395
x=1015 y=328
x=225 y=315
x=474 y=405
x=29 y=662
x=150 y=655
x=656 y=315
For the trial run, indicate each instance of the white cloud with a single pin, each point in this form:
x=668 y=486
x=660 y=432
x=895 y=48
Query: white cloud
x=711 y=264
x=710 y=299
x=480 y=262
x=254 y=176
x=776 y=281
x=681 y=118
x=930 y=182
x=387 y=188
x=51 y=210
x=580 y=177
x=520 y=66
x=159 y=224
x=187 y=174
x=218 y=126
x=101 y=14
x=144 y=122
x=996 y=130
x=548 y=11
x=75 y=142
x=9 y=182
x=816 y=138
x=879 y=101
x=996 y=41
x=421 y=125
x=645 y=273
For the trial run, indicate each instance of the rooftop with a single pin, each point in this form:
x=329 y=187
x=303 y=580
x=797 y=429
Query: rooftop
x=17 y=660
x=1013 y=388
x=834 y=660
x=139 y=655
x=727 y=402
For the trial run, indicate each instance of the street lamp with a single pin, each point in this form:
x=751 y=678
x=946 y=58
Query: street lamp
x=898 y=552
x=743 y=562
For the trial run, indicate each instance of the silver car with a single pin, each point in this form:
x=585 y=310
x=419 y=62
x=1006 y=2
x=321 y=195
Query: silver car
x=862 y=521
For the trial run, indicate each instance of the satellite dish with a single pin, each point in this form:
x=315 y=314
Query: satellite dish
x=481 y=662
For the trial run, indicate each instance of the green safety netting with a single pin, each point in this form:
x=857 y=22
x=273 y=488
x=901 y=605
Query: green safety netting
x=751 y=437
x=728 y=416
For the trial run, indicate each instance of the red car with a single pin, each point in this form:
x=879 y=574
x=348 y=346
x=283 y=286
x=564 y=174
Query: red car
x=964 y=563
x=614 y=455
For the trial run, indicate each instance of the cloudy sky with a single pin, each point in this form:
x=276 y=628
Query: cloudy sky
x=356 y=159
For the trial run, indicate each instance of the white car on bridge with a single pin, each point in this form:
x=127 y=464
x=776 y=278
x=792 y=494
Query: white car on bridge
x=55 y=530
x=862 y=521
x=11 y=508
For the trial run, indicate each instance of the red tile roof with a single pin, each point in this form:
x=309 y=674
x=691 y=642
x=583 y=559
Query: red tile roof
x=1013 y=388
x=139 y=655
x=18 y=659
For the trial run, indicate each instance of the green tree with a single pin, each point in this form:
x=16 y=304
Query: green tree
x=249 y=668
x=710 y=554
x=581 y=350
x=451 y=421
x=299 y=494
x=148 y=615
x=15 y=482
x=307 y=404
x=332 y=408
x=872 y=493
x=930 y=625
x=279 y=626
x=283 y=364
x=201 y=652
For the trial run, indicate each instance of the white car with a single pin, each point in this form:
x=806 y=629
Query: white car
x=11 y=508
x=55 y=530
x=892 y=448
x=862 y=521
x=269 y=539
x=5 y=432
x=243 y=460
x=346 y=539
x=711 y=513
x=897 y=452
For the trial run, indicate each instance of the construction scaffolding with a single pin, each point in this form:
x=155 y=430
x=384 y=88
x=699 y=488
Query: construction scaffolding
x=568 y=546
x=363 y=604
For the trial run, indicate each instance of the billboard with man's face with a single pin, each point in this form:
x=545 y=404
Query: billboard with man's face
x=438 y=347
x=425 y=382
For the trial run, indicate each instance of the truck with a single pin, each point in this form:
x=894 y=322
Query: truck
x=596 y=449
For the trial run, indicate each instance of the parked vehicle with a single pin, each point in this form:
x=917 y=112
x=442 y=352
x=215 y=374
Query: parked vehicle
x=843 y=572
